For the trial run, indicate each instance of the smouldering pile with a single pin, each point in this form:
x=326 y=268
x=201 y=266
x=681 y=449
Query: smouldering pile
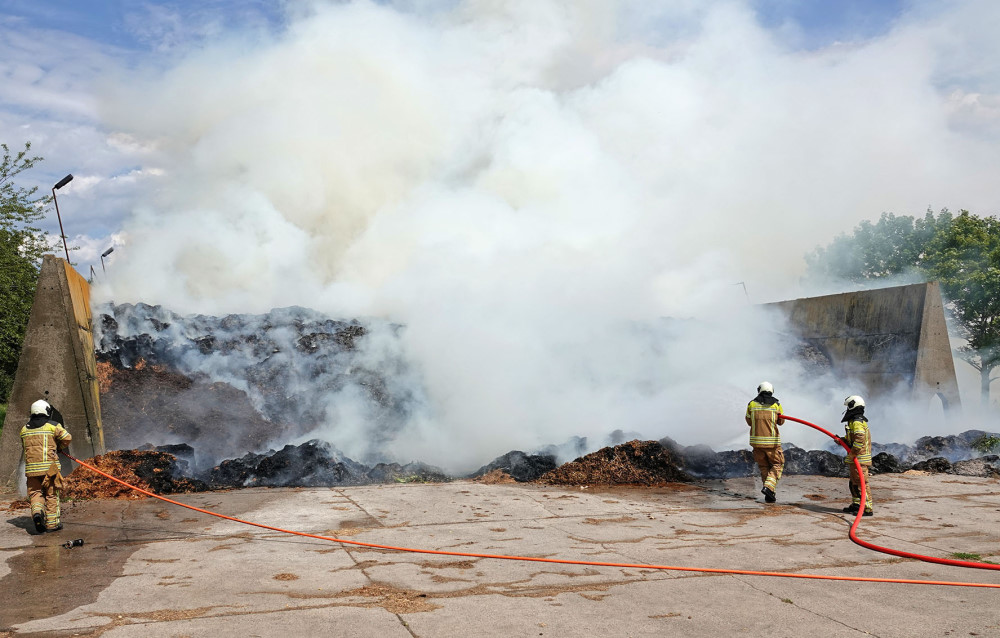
x=633 y=463
x=154 y=471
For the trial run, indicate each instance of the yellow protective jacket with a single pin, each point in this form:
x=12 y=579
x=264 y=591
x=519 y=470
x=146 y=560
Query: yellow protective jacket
x=42 y=440
x=764 y=416
x=860 y=440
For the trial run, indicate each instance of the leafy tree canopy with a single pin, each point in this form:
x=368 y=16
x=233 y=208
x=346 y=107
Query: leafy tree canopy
x=21 y=248
x=892 y=246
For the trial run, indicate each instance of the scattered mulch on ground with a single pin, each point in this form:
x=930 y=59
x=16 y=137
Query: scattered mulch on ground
x=392 y=599
x=285 y=576
x=633 y=463
x=601 y=521
x=495 y=477
x=18 y=504
x=147 y=469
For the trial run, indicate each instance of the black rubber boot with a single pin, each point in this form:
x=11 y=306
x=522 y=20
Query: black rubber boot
x=39 y=522
x=768 y=495
x=868 y=513
x=55 y=529
x=852 y=508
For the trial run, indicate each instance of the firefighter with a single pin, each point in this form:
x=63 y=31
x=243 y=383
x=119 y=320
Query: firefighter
x=42 y=438
x=860 y=441
x=764 y=416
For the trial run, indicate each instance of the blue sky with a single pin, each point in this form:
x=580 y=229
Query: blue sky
x=823 y=23
x=143 y=26
x=157 y=26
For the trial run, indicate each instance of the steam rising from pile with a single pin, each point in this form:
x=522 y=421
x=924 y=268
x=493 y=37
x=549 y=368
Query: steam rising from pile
x=528 y=186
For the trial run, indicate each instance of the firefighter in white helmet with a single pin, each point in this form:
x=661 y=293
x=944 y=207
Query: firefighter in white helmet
x=860 y=441
x=42 y=439
x=764 y=416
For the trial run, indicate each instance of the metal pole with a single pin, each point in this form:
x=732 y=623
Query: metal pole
x=62 y=233
x=741 y=283
x=105 y=254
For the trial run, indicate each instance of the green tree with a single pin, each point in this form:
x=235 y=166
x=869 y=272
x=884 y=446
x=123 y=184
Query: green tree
x=965 y=258
x=961 y=252
x=21 y=248
x=894 y=246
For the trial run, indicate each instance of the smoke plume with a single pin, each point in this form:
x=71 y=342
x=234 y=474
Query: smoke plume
x=531 y=188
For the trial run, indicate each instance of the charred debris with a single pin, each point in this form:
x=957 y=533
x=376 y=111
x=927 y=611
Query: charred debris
x=185 y=397
x=165 y=469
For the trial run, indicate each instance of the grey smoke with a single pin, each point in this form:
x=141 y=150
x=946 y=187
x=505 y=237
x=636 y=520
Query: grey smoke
x=528 y=187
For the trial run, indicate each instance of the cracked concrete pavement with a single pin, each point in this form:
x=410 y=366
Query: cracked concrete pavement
x=148 y=568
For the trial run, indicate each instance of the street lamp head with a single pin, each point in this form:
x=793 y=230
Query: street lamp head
x=62 y=233
x=108 y=251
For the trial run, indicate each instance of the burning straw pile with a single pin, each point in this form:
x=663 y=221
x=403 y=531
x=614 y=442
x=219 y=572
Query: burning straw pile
x=150 y=470
x=634 y=463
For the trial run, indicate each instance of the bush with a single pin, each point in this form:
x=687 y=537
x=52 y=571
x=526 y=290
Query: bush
x=986 y=444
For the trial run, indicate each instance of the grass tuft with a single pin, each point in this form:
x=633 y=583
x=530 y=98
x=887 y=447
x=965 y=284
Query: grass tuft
x=966 y=556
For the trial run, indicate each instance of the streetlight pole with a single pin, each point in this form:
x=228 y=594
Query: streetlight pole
x=62 y=233
x=105 y=254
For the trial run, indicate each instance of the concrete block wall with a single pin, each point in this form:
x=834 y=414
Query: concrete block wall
x=888 y=339
x=57 y=357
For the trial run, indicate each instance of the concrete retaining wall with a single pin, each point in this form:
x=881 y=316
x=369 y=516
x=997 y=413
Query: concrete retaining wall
x=888 y=339
x=57 y=357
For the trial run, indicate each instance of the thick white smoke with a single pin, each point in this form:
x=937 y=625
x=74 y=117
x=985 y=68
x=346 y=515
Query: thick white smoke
x=521 y=183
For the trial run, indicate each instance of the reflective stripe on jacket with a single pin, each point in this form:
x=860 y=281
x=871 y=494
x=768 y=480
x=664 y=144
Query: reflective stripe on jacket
x=860 y=440
x=41 y=448
x=764 y=421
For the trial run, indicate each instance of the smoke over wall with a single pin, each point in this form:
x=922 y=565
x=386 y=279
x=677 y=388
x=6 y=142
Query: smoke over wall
x=522 y=184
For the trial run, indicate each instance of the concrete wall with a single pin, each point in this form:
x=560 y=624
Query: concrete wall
x=58 y=357
x=888 y=339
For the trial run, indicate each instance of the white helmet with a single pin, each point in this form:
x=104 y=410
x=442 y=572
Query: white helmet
x=765 y=387
x=854 y=401
x=41 y=407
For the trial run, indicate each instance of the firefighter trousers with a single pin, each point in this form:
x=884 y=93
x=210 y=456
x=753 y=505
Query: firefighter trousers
x=770 y=460
x=43 y=492
x=856 y=486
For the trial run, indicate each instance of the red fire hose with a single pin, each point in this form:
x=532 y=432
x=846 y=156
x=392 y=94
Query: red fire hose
x=857 y=519
x=620 y=565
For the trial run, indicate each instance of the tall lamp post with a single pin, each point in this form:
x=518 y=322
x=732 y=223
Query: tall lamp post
x=105 y=254
x=62 y=233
